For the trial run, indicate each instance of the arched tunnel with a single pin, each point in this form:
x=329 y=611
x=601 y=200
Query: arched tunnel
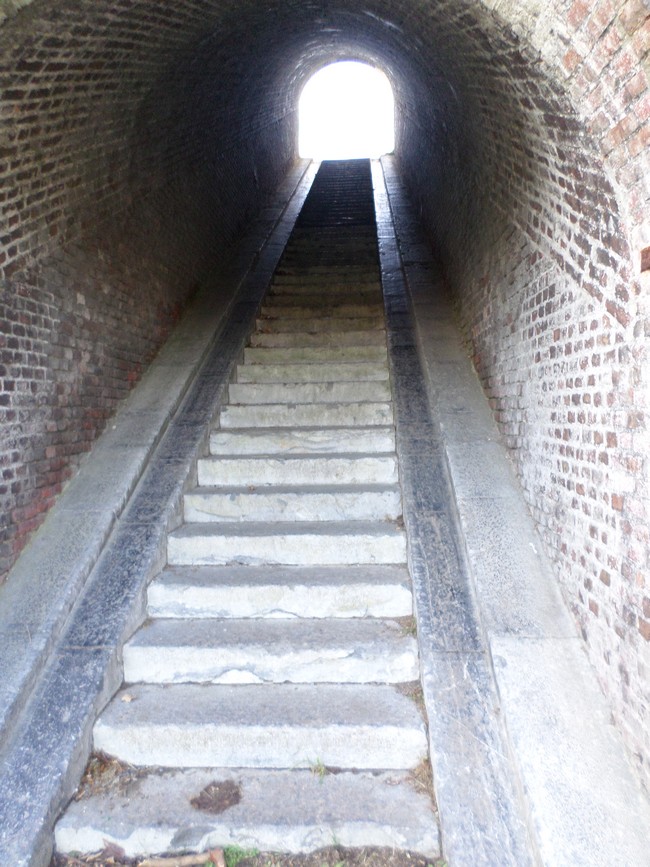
x=139 y=140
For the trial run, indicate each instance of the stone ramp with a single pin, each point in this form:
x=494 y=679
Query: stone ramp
x=280 y=633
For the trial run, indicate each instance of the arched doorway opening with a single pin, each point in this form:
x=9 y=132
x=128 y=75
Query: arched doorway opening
x=346 y=111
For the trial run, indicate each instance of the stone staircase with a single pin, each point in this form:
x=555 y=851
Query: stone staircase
x=270 y=700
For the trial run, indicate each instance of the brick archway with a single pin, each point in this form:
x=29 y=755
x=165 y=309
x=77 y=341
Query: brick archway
x=138 y=140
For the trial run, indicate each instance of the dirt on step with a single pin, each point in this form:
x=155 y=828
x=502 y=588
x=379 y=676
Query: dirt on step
x=334 y=856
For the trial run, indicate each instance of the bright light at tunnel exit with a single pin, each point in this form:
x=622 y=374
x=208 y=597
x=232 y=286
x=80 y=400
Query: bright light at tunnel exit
x=346 y=111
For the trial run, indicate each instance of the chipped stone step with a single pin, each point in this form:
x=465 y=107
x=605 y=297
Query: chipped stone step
x=329 y=234
x=315 y=354
x=326 y=235
x=352 y=503
x=286 y=543
x=344 y=310
x=298 y=470
x=281 y=591
x=278 y=811
x=315 y=253
x=304 y=255
x=348 y=253
x=356 y=371
x=271 y=651
x=329 y=273
x=263 y=726
x=362 y=258
x=308 y=392
x=306 y=415
x=325 y=273
x=351 y=440
x=323 y=296
x=319 y=324
x=334 y=242
x=330 y=338
x=329 y=276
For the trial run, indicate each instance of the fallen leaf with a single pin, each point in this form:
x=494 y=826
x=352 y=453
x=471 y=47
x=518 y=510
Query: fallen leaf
x=217 y=797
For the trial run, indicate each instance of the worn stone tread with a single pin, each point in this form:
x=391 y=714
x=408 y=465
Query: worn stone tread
x=314 y=354
x=309 y=392
x=332 y=338
x=271 y=651
x=359 y=371
x=344 y=309
x=287 y=543
x=304 y=440
x=291 y=811
x=320 y=324
x=305 y=503
x=318 y=295
x=298 y=469
x=263 y=726
x=281 y=591
x=306 y=415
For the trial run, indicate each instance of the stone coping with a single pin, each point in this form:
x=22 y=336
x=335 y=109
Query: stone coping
x=77 y=591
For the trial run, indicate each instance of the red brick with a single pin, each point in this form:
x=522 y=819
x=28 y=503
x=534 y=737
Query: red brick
x=578 y=13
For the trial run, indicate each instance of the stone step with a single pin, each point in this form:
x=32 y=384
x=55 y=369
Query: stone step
x=253 y=441
x=263 y=726
x=281 y=591
x=287 y=811
x=313 y=252
x=287 y=544
x=285 y=470
x=315 y=354
x=349 y=502
x=271 y=651
x=360 y=240
x=309 y=392
x=331 y=338
x=359 y=371
x=310 y=259
x=320 y=296
x=306 y=415
x=319 y=324
x=326 y=278
x=344 y=310
x=326 y=273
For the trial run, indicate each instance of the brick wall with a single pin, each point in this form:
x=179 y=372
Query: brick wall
x=542 y=236
x=137 y=137
x=127 y=171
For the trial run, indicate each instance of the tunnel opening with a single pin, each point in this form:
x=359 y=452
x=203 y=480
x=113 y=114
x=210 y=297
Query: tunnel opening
x=346 y=111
